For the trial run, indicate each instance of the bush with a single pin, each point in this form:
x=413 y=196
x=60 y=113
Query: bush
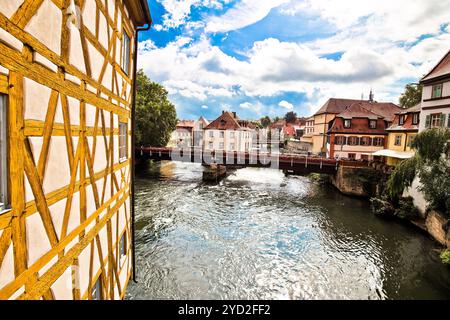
x=382 y=207
x=445 y=257
x=322 y=179
x=406 y=209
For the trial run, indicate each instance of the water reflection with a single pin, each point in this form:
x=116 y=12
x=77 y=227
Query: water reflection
x=261 y=235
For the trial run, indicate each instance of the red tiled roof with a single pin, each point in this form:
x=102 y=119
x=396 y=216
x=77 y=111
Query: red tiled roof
x=441 y=69
x=226 y=121
x=336 y=106
x=186 y=124
x=357 y=110
x=289 y=130
x=385 y=109
x=408 y=123
x=360 y=113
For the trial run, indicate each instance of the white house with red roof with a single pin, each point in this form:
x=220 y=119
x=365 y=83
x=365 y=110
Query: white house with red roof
x=229 y=133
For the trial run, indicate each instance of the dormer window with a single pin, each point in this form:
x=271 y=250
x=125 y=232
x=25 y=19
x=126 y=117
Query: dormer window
x=436 y=91
x=373 y=124
x=347 y=123
x=401 y=120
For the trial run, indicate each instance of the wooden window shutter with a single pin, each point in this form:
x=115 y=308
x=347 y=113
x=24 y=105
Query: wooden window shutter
x=442 y=122
x=448 y=120
x=428 y=122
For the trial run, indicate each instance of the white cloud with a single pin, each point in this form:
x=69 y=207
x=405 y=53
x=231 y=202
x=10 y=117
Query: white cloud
x=286 y=105
x=245 y=13
x=246 y=105
x=179 y=11
x=205 y=107
x=377 y=43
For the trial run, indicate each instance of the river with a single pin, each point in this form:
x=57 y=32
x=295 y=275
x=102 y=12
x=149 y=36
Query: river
x=261 y=235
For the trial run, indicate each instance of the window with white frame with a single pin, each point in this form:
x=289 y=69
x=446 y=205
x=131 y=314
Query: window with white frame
x=232 y=146
x=373 y=124
x=211 y=134
x=436 y=120
x=126 y=52
x=347 y=123
x=402 y=120
x=4 y=202
x=123 y=141
x=221 y=146
x=232 y=134
x=222 y=134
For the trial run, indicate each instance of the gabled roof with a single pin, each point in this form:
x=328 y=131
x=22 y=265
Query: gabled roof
x=357 y=110
x=441 y=69
x=414 y=109
x=387 y=110
x=369 y=110
x=336 y=106
x=202 y=119
x=226 y=121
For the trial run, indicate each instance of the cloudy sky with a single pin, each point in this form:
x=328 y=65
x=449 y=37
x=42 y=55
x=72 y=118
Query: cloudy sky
x=267 y=57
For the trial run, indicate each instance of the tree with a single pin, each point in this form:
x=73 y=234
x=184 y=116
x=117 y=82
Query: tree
x=431 y=165
x=156 y=117
x=266 y=121
x=290 y=117
x=412 y=96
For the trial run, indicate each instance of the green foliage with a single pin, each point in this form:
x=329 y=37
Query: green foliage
x=406 y=209
x=432 y=144
x=266 y=121
x=445 y=257
x=290 y=117
x=430 y=164
x=156 y=117
x=412 y=96
x=382 y=206
x=402 y=177
x=322 y=179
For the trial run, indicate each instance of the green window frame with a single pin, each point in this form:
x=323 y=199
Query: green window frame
x=436 y=91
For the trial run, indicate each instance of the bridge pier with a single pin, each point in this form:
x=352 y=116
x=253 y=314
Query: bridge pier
x=214 y=172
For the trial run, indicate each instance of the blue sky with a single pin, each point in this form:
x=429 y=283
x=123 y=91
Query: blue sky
x=273 y=56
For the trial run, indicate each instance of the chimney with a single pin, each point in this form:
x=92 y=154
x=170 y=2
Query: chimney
x=234 y=115
x=371 y=96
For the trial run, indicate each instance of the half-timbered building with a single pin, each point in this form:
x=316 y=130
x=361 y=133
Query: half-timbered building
x=66 y=103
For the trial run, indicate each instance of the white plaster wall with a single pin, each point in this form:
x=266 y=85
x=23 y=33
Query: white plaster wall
x=83 y=269
x=57 y=213
x=36 y=98
x=10 y=40
x=9 y=7
x=96 y=61
x=62 y=288
x=7 y=268
x=76 y=57
x=56 y=175
x=418 y=198
x=45 y=25
x=37 y=241
x=89 y=12
x=103 y=31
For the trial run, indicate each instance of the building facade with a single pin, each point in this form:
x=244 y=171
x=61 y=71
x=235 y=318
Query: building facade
x=360 y=131
x=435 y=110
x=401 y=134
x=228 y=133
x=66 y=90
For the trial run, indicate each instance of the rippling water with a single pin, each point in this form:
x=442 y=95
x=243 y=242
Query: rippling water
x=261 y=235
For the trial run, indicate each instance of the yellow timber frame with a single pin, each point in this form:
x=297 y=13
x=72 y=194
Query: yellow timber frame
x=34 y=281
